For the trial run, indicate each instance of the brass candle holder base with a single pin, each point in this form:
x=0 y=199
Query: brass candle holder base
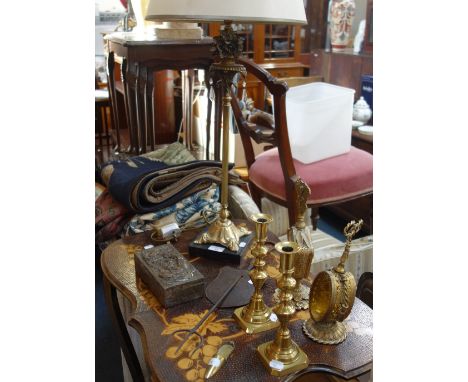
x=252 y=321
x=328 y=333
x=280 y=363
x=223 y=231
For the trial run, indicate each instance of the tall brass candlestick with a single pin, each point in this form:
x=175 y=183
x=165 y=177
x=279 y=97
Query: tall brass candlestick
x=282 y=356
x=256 y=316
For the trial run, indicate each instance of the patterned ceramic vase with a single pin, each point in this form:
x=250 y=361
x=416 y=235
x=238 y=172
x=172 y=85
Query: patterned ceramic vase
x=341 y=21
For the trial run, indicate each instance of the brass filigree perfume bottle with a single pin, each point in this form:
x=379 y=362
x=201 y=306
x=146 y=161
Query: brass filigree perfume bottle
x=256 y=316
x=283 y=356
x=332 y=297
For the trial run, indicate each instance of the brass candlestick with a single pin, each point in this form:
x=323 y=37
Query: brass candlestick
x=229 y=46
x=255 y=317
x=332 y=297
x=282 y=355
x=302 y=235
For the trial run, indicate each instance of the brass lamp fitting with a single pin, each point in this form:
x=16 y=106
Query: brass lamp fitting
x=229 y=46
x=256 y=316
x=283 y=356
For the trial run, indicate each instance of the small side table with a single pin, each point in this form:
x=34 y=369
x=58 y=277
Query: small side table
x=139 y=61
x=155 y=324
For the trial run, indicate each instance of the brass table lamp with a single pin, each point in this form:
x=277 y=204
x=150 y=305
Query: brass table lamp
x=229 y=47
x=283 y=356
x=256 y=317
x=332 y=297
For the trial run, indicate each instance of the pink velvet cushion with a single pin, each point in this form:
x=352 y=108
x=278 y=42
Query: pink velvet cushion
x=331 y=179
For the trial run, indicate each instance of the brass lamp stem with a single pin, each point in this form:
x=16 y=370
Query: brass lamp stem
x=229 y=46
x=225 y=159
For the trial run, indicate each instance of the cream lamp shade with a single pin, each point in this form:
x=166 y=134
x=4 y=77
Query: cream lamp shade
x=248 y=11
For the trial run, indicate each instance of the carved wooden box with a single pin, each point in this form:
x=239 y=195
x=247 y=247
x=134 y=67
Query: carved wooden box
x=168 y=275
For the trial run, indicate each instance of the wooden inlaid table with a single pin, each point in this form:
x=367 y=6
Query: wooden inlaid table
x=154 y=324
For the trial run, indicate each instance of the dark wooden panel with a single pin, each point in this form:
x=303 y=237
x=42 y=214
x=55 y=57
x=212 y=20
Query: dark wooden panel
x=345 y=71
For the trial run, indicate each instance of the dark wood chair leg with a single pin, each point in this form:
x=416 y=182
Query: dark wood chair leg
x=110 y=295
x=314 y=216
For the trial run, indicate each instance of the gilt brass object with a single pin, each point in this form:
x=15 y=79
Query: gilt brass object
x=229 y=46
x=256 y=317
x=219 y=359
x=332 y=297
x=283 y=356
x=302 y=235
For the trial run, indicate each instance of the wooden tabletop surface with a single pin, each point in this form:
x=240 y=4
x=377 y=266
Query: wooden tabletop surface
x=155 y=324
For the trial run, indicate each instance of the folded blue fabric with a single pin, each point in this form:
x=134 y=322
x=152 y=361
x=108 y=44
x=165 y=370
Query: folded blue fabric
x=145 y=185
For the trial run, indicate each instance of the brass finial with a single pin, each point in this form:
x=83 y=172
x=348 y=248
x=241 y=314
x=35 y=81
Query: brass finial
x=351 y=229
x=302 y=195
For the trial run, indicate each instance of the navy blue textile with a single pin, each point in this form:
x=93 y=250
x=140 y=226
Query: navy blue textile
x=144 y=185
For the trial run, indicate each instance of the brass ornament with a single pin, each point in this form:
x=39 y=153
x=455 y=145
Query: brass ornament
x=229 y=44
x=256 y=316
x=302 y=235
x=332 y=297
x=223 y=231
x=283 y=356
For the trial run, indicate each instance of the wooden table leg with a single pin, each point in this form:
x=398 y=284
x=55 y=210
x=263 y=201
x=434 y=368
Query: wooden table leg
x=208 y=123
x=148 y=107
x=113 y=97
x=110 y=295
x=124 y=75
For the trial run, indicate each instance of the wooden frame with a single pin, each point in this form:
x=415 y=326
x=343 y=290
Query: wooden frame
x=277 y=137
x=368 y=36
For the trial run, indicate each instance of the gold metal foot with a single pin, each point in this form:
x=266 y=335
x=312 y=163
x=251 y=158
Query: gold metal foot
x=223 y=231
x=328 y=333
x=257 y=323
x=279 y=364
